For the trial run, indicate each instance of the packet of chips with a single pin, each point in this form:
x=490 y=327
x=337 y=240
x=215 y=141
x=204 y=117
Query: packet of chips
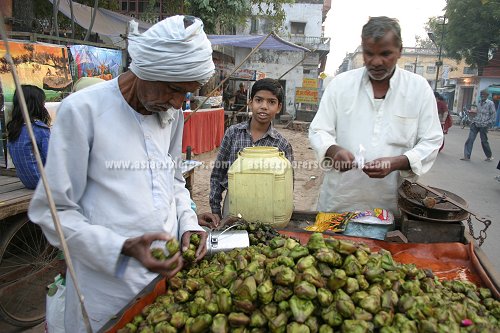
x=336 y=222
x=375 y=216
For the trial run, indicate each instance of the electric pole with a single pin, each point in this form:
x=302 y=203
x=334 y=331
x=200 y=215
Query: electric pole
x=439 y=63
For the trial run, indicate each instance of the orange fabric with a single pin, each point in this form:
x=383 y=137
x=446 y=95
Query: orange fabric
x=446 y=260
x=203 y=131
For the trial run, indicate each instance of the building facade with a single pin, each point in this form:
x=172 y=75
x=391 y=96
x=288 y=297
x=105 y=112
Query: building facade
x=303 y=26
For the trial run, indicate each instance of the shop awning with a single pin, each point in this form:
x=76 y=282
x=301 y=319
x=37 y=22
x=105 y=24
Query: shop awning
x=107 y=23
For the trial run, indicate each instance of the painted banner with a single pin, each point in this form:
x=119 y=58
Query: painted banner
x=306 y=95
x=39 y=64
x=309 y=83
x=248 y=74
x=92 y=61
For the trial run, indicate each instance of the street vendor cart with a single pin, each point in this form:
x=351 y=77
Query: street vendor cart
x=27 y=261
x=450 y=264
x=452 y=261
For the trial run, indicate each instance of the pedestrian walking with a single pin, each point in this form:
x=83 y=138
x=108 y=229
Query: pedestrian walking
x=444 y=115
x=480 y=124
x=498 y=167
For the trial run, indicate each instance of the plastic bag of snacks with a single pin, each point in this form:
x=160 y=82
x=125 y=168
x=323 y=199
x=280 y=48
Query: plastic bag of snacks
x=371 y=224
x=55 y=304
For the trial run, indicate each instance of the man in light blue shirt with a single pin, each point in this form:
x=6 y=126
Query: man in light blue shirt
x=114 y=169
x=480 y=123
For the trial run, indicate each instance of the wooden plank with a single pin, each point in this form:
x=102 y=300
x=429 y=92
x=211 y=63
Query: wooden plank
x=8 y=172
x=14 y=196
x=485 y=262
x=6 y=188
x=4 y=180
x=14 y=208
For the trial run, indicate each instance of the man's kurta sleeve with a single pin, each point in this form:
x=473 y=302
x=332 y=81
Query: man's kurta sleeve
x=429 y=137
x=66 y=170
x=322 y=133
x=186 y=216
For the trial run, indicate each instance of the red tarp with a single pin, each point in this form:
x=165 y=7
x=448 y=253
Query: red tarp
x=203 y=131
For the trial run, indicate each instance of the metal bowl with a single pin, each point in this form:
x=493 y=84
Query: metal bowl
x=415 y=194
x=424 y=214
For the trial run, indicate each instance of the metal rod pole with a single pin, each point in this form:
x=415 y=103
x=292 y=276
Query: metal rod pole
x=439 y=62
x=438 y=65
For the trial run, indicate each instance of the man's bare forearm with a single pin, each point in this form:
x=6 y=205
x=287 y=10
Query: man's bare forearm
x=332 y=150
x=400 y=163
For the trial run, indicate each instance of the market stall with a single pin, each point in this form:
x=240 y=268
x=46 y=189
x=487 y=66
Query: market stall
x=203 y=131
x=454 y=261
x=288 y=275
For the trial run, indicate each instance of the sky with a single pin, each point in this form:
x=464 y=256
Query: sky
x=347 y=17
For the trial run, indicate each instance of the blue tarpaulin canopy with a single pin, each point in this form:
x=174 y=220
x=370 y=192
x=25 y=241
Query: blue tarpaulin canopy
x=273 y=42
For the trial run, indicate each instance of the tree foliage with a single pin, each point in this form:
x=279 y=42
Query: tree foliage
x=222 y=16
x=219 y=16
x=472 y=31
x=424 y=42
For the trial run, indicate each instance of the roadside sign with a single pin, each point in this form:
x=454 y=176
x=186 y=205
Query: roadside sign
x=306 y=95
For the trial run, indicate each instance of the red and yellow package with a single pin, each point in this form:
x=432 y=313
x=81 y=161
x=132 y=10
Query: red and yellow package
x=336 y=222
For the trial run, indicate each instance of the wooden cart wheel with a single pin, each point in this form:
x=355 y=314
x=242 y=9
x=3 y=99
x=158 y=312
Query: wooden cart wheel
x=28 y=263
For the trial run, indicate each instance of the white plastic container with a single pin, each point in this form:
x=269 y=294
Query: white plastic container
x=261 y=186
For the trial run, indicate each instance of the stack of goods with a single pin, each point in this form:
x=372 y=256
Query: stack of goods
x=258 y=233
x=327 y=285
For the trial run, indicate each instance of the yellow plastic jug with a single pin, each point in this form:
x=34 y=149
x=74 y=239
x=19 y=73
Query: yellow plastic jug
x=260 y=185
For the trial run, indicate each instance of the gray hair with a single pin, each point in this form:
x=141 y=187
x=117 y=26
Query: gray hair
x=378 y=27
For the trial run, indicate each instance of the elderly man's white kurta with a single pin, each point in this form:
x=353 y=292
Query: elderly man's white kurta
x=405 y=123
x=112 y=177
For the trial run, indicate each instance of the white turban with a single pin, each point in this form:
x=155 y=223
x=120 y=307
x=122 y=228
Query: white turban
x=171 y=53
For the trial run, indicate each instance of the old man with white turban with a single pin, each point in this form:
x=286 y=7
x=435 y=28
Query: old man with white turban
x=114 y=170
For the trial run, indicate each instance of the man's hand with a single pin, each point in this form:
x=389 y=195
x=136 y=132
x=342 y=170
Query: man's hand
x=381 y=167
x=209 y=220
x=140 y=249
x=202 y=248
x=342 y=159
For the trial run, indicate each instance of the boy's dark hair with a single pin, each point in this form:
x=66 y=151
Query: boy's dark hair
x=271 y=85
x=35 y=102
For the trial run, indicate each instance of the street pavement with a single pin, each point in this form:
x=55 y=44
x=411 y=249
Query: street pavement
x=474 y=181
